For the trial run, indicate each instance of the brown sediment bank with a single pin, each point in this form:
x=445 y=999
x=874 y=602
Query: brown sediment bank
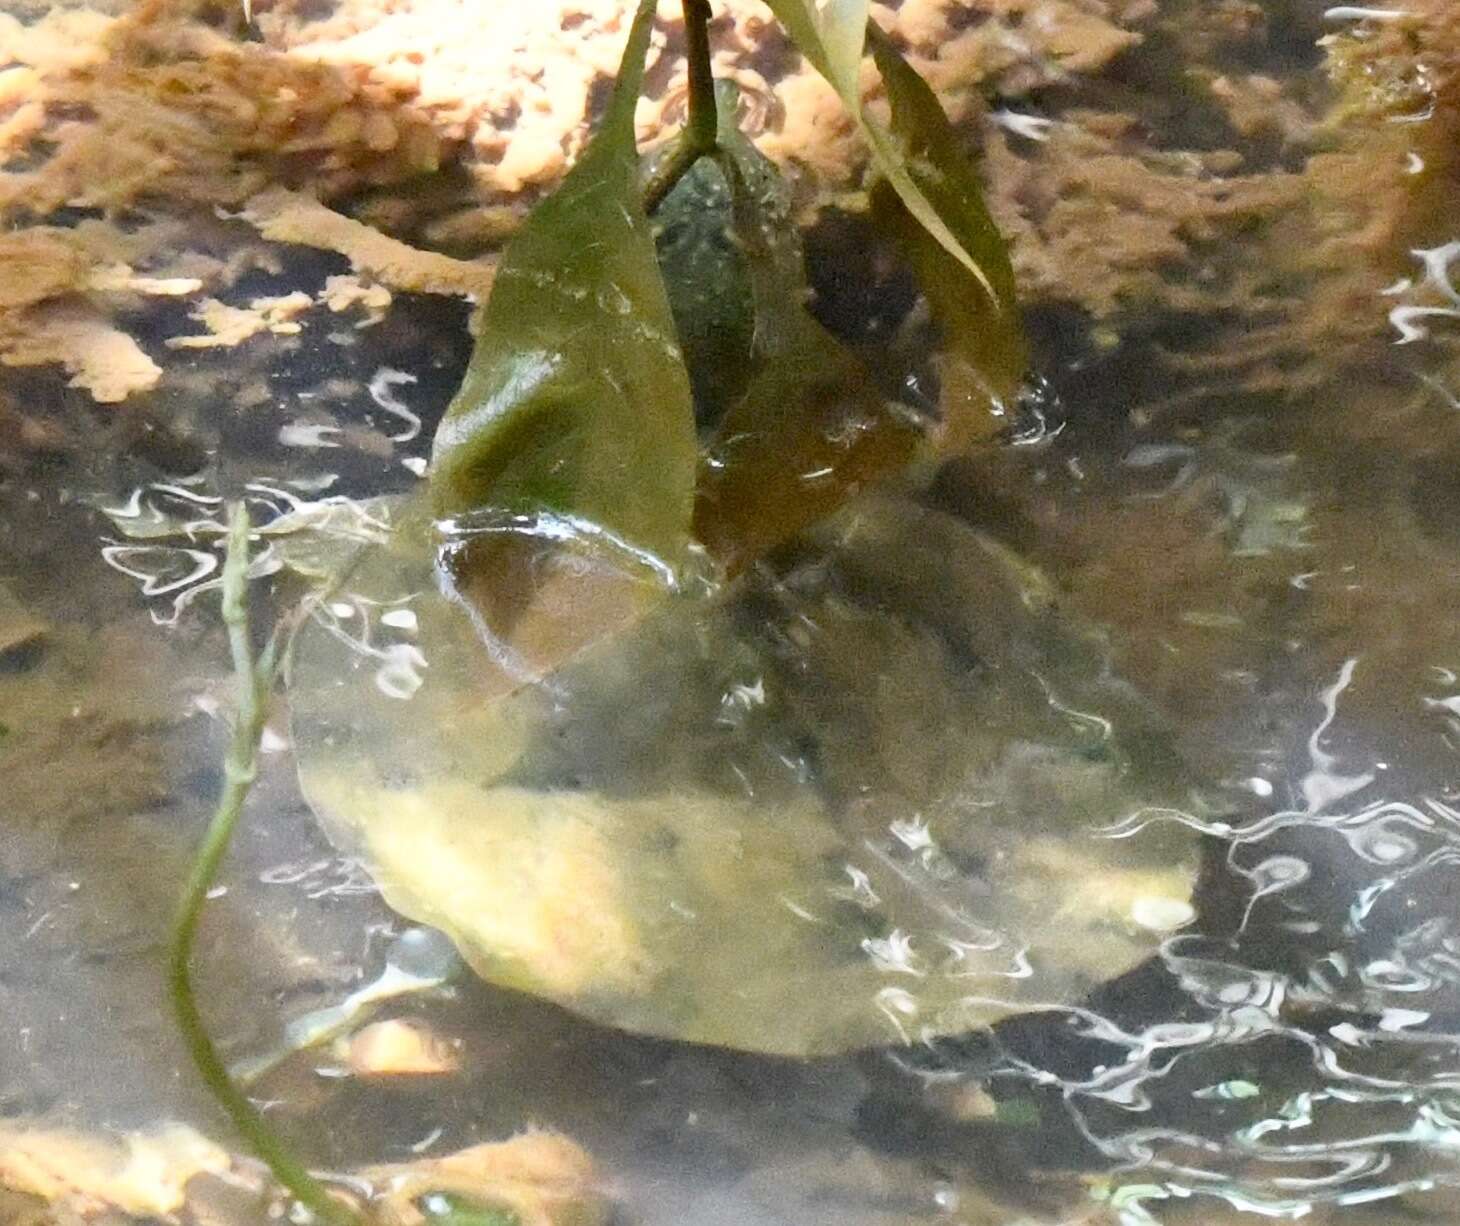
x=1265 y=209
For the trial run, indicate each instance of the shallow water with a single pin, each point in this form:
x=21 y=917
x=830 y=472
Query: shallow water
x=1278 y=577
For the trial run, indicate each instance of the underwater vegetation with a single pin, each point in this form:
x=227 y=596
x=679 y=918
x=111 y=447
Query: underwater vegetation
x=569 y=496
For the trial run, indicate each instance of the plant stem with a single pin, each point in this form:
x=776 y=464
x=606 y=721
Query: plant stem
x=240 y=767
x=700 y=127
x=698 y=137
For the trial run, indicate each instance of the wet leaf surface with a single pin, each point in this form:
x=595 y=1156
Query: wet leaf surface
x=830 y=35
x=576 y=401
x=984 y=352
x=824 y=807
x=912 y=155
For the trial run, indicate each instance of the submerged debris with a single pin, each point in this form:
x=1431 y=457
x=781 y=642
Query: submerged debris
x=398 y=1048
x=540 y=1178
x=57 y=1176
x=163 y=110
x=290 y=217
x=719 y=825
x=142 y=1174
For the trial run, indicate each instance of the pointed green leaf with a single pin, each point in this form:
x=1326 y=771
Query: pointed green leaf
x=830 y=34
x=985 y=354
x=576 y=400
x=832 y=37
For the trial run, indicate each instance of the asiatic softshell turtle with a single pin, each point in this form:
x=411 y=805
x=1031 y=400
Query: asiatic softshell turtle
x=858 y=795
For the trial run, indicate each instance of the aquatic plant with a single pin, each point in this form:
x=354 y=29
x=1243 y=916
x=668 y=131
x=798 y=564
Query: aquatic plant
x=255 y=677
x=578 y=401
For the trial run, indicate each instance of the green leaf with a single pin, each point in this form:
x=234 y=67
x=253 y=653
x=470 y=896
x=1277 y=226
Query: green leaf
x=831 y=36
x=985 y=354
x=811 y=427
x=917 y=155
x=576 y=401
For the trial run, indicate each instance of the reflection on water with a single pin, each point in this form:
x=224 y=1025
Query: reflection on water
x=1291 y=1053
x=1139 y=737
x=850 y=798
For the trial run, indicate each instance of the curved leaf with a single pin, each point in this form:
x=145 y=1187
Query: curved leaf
x=918 y=154
x=985 y=354
x=831 y=35
x=576 y=401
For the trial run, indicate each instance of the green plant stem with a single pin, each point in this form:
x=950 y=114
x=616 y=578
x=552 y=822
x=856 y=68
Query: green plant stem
x=701 y=124
x=240 y=767
x=698 y=137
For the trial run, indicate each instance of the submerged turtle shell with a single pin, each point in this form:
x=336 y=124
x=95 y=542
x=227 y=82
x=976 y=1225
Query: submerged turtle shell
x=856 y=796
